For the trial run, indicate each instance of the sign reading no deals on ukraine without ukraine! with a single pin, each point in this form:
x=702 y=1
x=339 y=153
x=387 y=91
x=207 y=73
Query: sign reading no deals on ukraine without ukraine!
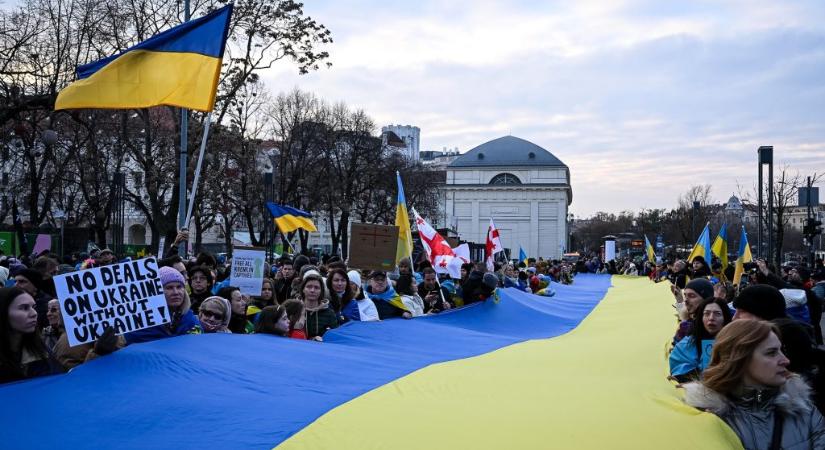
x=127 y=296
x=248 y=270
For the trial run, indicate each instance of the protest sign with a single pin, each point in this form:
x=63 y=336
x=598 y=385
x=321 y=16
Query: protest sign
x=127 y=296
x=248 y=270
x=372 y=246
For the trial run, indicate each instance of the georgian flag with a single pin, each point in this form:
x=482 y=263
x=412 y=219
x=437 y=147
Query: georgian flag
x=493 y=245
x=439 y=252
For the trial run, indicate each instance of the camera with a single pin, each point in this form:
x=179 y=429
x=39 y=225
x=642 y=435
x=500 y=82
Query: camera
x=750 y=267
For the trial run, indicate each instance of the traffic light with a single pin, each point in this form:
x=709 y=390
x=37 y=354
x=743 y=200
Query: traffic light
x=812 y=227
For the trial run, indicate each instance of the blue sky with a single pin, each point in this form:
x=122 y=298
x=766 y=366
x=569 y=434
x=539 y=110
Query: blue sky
x=640 y=98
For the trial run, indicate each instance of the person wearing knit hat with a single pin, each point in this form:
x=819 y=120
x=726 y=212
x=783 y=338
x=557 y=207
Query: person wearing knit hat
x=687 y=300
x=183 y=320
x=760 y=302
x=214 y=315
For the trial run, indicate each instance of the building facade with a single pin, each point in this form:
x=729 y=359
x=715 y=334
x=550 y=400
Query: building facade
x=409 y=135
x=524 y=188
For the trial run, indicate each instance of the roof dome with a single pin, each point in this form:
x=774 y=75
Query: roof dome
x=507 y=151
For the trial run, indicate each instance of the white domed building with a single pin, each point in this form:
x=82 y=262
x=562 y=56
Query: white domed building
x=523 y=187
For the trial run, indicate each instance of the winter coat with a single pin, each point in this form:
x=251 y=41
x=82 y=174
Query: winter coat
x=388 y=303
x=751 y=415
x=320 y=320
x=183 y=322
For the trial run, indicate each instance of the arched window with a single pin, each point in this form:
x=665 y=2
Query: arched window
x=505 y=178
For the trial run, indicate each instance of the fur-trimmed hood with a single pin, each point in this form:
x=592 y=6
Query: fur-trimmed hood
x=793 y=398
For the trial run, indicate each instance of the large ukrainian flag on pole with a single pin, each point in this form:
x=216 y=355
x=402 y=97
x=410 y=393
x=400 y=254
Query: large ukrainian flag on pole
x=289 y=219
x=179 y=67
x=702 y=247
x=745 y=256
x=720 y=247
x=402 y=221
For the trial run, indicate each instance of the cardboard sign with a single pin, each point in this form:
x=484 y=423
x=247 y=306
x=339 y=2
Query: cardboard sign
x=248 y=270
x=609 y=251
x=127 y=296
x=373 y=246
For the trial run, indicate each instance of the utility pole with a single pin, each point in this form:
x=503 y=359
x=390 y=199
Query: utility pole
x=184 y=156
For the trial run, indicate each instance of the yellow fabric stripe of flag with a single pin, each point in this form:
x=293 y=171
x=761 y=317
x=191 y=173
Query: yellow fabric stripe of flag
x=745 y=256
x=402 y=221
x=288 y=223
x=720 y=247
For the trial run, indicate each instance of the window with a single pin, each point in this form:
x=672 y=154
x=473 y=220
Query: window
x=505 y=178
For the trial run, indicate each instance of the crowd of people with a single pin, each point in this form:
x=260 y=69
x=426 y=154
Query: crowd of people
x=302 y=297
x=748 y=353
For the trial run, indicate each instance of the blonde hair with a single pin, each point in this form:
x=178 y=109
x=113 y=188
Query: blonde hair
x=732 y=351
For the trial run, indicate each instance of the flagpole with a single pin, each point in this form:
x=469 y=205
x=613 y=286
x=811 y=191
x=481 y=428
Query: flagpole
x=184 y=144
x=207 y=122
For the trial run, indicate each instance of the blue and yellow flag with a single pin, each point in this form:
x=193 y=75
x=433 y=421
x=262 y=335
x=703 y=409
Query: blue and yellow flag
x=179 y=67
x=522 y=255
x=288 y=219
x=720 y=247
x=402 y=221
x=651 y=254
x=702 y=247
x=745 y=256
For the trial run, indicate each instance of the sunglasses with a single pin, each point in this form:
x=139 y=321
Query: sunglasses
x=207 y=314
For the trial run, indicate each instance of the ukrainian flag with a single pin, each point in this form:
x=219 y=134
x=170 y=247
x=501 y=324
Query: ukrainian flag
x=651 y=254
x=289 y=219
x=745 y=256
x=402 y=221
x=179 y=67
x=522 y=255
x=720 y=247
x=702 y=247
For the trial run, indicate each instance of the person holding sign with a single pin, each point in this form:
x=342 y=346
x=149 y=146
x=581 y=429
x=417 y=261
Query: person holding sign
x=183 y=320
x=22 y=353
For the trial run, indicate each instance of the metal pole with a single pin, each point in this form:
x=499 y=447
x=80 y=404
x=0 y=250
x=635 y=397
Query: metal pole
x=184 y=141
x=208 y=121
x=770 y=214
x=759 y=224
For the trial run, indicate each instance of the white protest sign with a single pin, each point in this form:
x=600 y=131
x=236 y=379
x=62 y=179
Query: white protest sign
x=609 y=250
x=247 y=272
x=127 y=296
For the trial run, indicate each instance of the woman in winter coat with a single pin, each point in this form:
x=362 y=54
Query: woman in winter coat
x=749 y=386
x=238 y=323
x=180 y=309
x=320 y=317
x=22 y=353
x=691 y=356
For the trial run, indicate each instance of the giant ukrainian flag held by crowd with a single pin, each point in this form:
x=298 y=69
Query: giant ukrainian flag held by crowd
x=702 y=247
x=745 y=256
x=584 y=369
x=178 y=67
x=720 y=247
x=402 y=221
x=289 y=219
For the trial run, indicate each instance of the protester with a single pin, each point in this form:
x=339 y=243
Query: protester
x=32 y=282
x=436 y=298
x=687 y=301
x=386 y=300
x=407 y=289
x=699 y=268
x=177 y=300
x=679 y=275
x=297 y=318
x=274 y=320
x=215 y=314
x=238 y=322
x=22 y=353
x=361 y=307
x=320 y=317
x=759 y=302
x=267 y=297
x=200 y=285
x=338 y=289
x=748 y=385
x=51 y=333
x=691 y=355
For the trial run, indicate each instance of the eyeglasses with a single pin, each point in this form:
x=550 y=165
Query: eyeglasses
x=207 y=314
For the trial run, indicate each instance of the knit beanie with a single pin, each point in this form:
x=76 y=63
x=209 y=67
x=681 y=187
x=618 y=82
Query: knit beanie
x=35 y=277
x=701 y=286
x=761 y=300
x=169 y=275
x=490 y=280
x=354 y=277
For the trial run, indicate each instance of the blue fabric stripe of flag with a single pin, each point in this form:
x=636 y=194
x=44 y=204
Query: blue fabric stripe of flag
x=205 y=36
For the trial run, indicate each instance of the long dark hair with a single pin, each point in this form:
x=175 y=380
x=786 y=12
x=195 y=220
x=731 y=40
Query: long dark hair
x=267 y=320
x=339 y=302
x=698 y=331
x=9 y=359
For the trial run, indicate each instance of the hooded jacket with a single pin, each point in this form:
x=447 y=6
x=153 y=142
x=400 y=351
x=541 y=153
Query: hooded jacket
x=751 y=415
x=320 y=319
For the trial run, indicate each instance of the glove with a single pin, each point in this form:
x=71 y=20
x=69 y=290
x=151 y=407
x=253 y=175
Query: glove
x=107 y=342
